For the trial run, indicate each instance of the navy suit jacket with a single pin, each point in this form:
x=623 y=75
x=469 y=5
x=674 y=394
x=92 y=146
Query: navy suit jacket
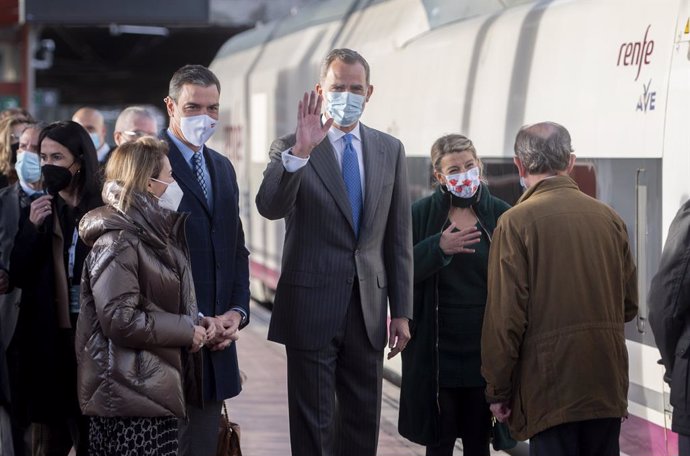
x=219 y=257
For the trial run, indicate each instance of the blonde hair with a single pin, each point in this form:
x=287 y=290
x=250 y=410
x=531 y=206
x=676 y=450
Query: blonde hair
x=132 y=164
x=6 y=125
x=450 y=144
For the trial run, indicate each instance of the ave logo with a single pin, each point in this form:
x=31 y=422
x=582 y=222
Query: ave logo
x=647 y=101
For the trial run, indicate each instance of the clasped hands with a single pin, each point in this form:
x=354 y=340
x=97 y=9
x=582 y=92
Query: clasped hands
x=216 y=333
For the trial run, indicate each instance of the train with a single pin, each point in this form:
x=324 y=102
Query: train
x=616 y=73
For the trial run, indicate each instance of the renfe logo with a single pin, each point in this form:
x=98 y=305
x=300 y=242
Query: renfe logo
x=636 y=53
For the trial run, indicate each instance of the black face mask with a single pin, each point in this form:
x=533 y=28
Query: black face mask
x=14 y=148
x=463 y=202
x=55 y=178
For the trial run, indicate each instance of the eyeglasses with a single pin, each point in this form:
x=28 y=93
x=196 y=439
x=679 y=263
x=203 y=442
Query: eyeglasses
x=136 y=133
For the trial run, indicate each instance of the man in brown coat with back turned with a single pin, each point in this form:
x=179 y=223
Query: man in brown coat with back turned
x=562 y=284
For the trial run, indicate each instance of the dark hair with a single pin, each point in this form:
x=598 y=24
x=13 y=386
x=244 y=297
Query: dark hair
x=191 y=74
x=76 y=139
x=345 y=55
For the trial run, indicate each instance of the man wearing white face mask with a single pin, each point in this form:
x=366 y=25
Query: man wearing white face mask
x=92 y=120
x=216 y=243
x=15 y=202
x=342 y=189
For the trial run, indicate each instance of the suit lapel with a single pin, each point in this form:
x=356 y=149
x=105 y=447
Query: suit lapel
x=374 y=159
x=326 y=166
x=184 y=176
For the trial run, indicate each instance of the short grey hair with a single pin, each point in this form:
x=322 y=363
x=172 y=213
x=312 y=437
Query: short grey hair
x=128 y=114
x=543 y=147
x=344 y=55
x=191 y=74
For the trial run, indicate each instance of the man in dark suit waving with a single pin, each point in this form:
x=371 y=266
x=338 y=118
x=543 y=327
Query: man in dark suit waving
x=216 y=244
x=342 y=189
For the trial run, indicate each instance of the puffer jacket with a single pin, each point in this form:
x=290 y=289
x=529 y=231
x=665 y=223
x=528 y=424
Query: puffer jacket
x=138 y=310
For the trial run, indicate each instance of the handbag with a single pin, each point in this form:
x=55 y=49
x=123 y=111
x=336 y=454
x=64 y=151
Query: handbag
x=500 y=436
x=228 y=436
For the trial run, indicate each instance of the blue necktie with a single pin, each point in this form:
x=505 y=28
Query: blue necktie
x=353 y=182
x=198 y=169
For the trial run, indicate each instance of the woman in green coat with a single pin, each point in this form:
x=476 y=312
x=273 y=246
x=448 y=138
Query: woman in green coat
x=442 y=392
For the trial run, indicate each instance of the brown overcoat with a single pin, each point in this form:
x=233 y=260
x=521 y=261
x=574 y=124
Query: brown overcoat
x=562 y=283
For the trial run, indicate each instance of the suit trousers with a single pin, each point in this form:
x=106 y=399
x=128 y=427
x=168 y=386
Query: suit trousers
x=334 y=393
x=683 y=444
x=597 y=437
x=198 y=433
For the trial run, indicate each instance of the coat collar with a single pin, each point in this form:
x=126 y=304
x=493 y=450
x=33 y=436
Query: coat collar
x=182 y=172
x=548 y=184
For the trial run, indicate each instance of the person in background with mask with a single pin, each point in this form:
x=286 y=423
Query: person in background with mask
x=46 y=263
x=137 y=303
x=342 y=189
x=92 y=120
x=442 y=390
x=216 y=244
x=15 y=202
x=10 y=129
x=133 y=123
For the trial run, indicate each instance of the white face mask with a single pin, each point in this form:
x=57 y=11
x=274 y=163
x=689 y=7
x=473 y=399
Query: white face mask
x=171 y=197
x=345 y=107
x=197 y=129
x=463 y=185
x=96 y=139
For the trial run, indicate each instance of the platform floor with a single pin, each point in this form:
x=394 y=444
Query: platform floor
x=262 y=411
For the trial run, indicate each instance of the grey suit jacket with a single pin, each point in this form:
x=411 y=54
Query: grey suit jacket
x=321 y=256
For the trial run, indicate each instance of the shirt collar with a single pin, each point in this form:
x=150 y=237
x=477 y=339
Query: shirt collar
x=334 y=134
x=28 y=190
x=186 y=151
x=103 y=151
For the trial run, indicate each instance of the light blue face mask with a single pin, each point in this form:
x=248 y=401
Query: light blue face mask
x=523 y=184
x=96 y=140
x=28 y=167
x=345 y=107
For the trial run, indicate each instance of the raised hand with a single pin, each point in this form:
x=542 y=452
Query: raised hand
x=453 y=242
x=309 y=132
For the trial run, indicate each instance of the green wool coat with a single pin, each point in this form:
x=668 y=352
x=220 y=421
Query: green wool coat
x=419 y=410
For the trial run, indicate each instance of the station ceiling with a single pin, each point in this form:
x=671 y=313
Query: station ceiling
x=92 y=66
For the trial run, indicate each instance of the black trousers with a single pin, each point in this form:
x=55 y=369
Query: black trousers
x=580 y=438
x=465 y=414
x=683 y=445
x=334 y=393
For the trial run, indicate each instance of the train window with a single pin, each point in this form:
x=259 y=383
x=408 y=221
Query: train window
x=420 y=178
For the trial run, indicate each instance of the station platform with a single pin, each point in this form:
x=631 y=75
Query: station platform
x=261 y=409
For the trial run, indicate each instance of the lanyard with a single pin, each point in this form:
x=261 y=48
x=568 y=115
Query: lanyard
x=72 y=252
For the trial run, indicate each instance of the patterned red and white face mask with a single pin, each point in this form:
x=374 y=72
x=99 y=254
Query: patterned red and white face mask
x=463 y=185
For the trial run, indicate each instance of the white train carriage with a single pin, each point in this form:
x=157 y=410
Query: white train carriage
x=616 y=73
